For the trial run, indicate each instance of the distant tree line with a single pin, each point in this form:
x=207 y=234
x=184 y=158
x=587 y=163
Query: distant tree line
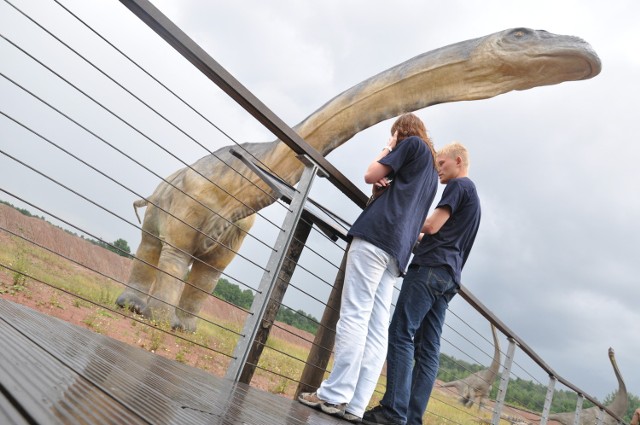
x=21 y=210
x=526 y=394
x=232 y=293
x=120 y=246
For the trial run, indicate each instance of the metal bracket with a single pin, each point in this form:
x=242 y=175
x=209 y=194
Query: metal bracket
x=312 y=211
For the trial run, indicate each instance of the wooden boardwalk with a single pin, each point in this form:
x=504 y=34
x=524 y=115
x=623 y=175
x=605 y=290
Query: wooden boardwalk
x=53 y=372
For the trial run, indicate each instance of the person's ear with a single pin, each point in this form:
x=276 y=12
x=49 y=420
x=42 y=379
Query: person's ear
x=458 y=160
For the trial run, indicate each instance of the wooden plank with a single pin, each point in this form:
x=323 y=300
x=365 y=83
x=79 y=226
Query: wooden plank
x=53 y=372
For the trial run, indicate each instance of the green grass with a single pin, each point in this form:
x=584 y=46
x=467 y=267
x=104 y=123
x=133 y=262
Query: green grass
x=56 y=271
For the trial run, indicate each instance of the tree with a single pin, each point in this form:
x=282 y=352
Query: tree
x=233 y=294
x=120 y=247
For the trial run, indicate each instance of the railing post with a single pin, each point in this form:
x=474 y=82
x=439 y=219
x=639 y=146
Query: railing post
x=301 y=233
x=270 y=276
x=504 y=382
x=576 y=418
x=547 y=400
x=600 y=416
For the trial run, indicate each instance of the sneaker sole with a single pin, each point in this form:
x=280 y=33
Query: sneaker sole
x=310 y=403
x=350 y=417
x=366 y=422
x=330 y=410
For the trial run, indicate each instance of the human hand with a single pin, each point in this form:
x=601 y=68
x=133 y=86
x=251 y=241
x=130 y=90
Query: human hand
x=382 y=183
x=380 y=186
x=393 y=140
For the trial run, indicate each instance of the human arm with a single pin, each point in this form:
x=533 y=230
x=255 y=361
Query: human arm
x=376 y=171
x=436 y=220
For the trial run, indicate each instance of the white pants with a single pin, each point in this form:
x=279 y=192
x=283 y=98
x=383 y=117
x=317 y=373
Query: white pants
x=362 y=330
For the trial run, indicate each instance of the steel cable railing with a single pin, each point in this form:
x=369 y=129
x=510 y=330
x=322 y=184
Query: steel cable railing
x=87 y=198
x=80 y=264
x=471 y=343
x=58 y=218
x=116 y=311
x=127 y=124
x=131 y=94
x=101 y=207
x=102 y=173
x=164 y=86
x=107 y=143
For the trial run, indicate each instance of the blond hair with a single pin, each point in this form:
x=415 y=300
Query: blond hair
x=455 y=149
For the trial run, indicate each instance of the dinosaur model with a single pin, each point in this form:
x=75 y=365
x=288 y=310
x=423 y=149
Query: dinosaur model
x=589 y=416
x=477 y=386
x=220 y=209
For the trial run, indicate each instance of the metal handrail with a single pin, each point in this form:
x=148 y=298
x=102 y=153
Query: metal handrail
x=190 y=50
x=487 y=314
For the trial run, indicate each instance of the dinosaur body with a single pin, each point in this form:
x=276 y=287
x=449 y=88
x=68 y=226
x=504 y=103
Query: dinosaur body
x=516 y=59
x=589 y=416
x=477 y=386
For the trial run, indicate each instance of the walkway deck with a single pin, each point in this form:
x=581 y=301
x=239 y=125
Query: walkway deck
x=52 y=372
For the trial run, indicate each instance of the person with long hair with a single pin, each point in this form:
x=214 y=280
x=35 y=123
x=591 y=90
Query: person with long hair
x=404 y=180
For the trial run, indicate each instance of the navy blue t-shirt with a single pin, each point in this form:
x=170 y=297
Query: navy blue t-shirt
x=450 y=247
x=393 y=221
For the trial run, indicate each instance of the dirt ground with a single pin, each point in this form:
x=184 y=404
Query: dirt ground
x=124 y=327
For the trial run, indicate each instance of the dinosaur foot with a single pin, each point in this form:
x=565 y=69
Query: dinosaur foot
x=159 y=312
x=131 y=301
x=184 y=324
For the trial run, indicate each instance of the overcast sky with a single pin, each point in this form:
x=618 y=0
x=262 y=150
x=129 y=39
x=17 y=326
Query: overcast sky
x=556 y=254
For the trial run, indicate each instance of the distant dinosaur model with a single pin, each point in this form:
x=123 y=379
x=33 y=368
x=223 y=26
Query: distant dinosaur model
x=589 y=416
x=477 y=386
x=515 y=59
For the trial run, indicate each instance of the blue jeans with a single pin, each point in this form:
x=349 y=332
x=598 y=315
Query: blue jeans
x=414 y=335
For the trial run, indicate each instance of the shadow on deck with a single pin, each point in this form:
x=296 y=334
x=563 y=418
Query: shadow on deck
x=53 y=372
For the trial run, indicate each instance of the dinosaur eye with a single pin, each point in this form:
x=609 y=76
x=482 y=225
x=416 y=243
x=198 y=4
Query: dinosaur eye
x=520 y=32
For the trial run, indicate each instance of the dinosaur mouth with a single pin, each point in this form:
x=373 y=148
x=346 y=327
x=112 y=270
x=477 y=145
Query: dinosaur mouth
x=570 y=66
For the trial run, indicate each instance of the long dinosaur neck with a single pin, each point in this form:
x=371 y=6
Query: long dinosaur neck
x=426 y=80
x=620 y=401
x=495 y=363
x=412 y=85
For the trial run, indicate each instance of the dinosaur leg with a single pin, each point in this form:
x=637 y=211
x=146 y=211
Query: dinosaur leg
x=467 y=396
x=205 y=274
x=142 y=275
x=173 y=263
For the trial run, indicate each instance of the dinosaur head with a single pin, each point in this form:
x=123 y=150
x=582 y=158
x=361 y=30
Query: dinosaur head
x=522 y=58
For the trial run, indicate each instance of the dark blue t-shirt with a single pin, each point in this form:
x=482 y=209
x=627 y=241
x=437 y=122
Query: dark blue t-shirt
x=450 y=247
x=393 y=221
